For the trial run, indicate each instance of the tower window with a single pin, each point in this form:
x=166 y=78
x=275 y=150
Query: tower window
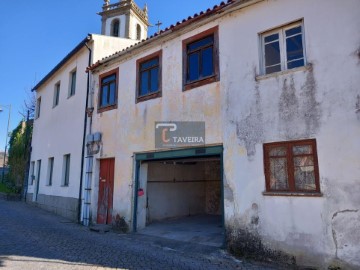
x=115 y=26
x=138 y=32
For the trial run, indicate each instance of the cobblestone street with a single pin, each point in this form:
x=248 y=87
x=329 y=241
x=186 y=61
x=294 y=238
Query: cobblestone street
x=34 y=239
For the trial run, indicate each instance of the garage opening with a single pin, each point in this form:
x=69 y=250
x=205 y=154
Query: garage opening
x=181 y=199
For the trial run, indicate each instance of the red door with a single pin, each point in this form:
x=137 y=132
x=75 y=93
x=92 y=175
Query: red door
x=106 y=190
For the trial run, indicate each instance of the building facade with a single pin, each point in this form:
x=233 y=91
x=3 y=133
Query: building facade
x=245 y=116
x=279 y=100
x=58 y=140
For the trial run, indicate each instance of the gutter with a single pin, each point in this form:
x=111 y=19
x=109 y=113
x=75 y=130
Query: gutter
x=88 y=38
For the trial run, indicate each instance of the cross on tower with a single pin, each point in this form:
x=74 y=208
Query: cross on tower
x=158 y=26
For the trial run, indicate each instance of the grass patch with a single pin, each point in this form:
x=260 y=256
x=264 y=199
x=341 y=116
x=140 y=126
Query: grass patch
x=5 y=189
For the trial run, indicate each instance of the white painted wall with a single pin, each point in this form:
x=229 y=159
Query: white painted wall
x=242 y=113
x=59 y=130
x=122 y=20
x=134 y=21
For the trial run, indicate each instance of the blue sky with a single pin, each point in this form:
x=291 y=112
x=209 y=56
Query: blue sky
x=37 y=34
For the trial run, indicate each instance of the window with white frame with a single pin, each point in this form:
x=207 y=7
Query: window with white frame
x=283 y=48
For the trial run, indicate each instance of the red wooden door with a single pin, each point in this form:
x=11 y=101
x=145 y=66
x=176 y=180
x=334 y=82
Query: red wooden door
x=106 y=190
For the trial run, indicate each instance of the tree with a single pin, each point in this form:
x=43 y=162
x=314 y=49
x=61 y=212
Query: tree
x=28 y=108
x=19 y=152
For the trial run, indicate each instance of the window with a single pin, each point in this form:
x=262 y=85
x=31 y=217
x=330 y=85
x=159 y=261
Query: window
x=291 y=167
x=38 y=174
x=72 y=85
x=38 y=107
x=32 y=172
x=283 y=48
x=66 y=170
x=149 y=77
x=50 y=171
x=56 y=94
x=108 y=91
x=115 y=26
x=138 y=32
x=200 y=57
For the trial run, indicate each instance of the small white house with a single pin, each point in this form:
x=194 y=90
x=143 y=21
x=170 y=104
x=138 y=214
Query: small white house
x=275 y=85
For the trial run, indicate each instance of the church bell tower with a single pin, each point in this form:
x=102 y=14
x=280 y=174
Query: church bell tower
x=124 y=19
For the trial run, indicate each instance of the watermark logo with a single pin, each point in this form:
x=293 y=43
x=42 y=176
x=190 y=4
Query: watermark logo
x=179 y=134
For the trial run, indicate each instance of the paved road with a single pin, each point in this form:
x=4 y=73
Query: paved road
x=31 y=238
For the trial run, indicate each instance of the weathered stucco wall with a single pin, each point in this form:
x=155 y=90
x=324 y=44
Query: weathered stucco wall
x=130 y=128
x=245 y=110
x=317 y=101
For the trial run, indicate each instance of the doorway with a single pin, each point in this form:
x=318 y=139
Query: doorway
x=106 y=191
x=180 y=195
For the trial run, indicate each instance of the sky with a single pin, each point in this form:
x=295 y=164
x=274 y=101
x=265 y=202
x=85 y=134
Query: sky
x=35 y=35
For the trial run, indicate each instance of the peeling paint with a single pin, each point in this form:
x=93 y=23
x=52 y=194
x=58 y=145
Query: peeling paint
x=249 y=130
x=343 y=232
x=299 y=111
x=288 y=108
x=310 y=107
x=228 y=194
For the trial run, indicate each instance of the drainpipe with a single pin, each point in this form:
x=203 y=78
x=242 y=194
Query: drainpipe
x=84 y=134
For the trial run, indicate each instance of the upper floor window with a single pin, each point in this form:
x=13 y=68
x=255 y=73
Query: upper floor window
x=283 y=48
x=38 y=107
x=149 y=77
x=115 y=27
x=291 y=167
x=72 y=85
x=56 y=94
x=201 y=59
x=108 y=91
x=138 y=32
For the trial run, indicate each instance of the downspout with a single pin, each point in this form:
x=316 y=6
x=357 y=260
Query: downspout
x=84 y=134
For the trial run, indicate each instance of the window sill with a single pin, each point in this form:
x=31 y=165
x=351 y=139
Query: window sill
x=107 y=108
x=148 y=96
x=283 y=72
x=64 y=186
x=293 y=194
x=200 y=82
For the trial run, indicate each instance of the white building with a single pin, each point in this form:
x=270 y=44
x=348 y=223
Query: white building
x=277 y=85
x=274 y=85
x=58 y=133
